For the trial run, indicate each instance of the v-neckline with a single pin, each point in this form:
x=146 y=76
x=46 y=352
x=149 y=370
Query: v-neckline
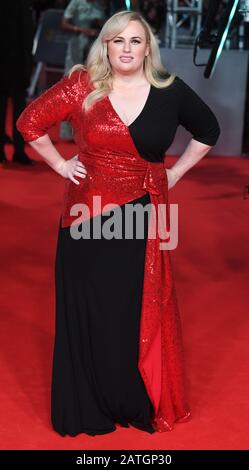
x=138 y=116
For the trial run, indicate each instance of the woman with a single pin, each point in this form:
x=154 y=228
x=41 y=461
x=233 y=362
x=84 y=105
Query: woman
x=82 y=18
x=118 y=347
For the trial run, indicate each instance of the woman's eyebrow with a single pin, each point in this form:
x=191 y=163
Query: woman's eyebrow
x=131 y=37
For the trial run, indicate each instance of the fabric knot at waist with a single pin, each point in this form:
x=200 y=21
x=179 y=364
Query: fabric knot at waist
x=155 y=178
x=115 y=179
x=130 y=175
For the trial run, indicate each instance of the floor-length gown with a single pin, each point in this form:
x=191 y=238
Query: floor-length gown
x=100 y=376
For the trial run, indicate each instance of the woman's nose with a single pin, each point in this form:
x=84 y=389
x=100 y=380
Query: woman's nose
x=127 y=47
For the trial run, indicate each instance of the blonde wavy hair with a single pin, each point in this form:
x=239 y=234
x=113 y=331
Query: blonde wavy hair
x=99 y=68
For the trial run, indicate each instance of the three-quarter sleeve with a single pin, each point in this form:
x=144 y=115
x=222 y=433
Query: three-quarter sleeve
x=197 y=117
x=54 y=105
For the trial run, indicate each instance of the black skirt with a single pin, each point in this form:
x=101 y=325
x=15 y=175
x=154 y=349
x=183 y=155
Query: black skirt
x=95 y=378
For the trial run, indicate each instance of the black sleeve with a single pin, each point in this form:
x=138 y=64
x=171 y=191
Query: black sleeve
x=196 y=116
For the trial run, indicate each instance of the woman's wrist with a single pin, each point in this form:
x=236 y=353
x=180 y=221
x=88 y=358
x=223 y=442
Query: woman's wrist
x=58 y=165
x=175 y=173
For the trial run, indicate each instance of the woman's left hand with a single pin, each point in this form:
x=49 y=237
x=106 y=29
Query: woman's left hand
x=171 y=177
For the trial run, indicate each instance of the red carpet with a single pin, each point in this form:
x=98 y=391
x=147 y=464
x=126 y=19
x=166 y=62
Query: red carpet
x=211 y=273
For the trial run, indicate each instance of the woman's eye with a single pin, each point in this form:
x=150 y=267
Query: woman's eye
x=134 y=40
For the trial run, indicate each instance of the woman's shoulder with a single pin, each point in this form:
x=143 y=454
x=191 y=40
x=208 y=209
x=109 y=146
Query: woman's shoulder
x=174 y=89
x=78 y=80
x=182 y=85
x=79 y=75
x=175 y=84
x=177 y=89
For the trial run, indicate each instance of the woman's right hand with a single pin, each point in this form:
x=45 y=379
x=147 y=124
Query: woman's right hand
x=71 y=168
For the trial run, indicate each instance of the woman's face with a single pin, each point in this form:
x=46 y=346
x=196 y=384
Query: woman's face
x=127 y=50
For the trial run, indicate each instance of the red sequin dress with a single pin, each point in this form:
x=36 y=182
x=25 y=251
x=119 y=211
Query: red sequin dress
x=118 y=352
